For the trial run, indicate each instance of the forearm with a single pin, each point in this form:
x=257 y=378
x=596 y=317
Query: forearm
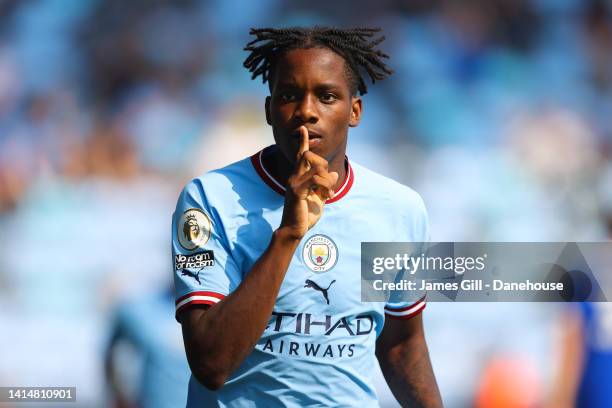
x=570 y=361
x=118 y=398
x=409 y=374
x=225 y=334
x=411 y=379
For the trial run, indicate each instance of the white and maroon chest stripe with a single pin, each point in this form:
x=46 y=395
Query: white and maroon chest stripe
x=275 y=185
x=198 y=298
x=406 y=312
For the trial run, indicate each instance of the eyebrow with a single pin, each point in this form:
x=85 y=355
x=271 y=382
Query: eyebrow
x=324 y=85
x=328 y=85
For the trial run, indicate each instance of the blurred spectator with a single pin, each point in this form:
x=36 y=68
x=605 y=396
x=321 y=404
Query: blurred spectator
x=147 y=324
x=584 y=358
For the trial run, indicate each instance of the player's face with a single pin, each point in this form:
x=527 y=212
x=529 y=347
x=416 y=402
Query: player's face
x=310 y=87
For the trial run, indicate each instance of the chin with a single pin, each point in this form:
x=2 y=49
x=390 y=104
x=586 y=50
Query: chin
x=321 y=151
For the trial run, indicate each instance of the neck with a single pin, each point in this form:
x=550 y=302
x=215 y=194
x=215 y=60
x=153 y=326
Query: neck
x=281 y=168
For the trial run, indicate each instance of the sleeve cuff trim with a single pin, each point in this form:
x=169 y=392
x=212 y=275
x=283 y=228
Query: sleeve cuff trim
x=201 y=298
x=408 y=312
x=400 y=306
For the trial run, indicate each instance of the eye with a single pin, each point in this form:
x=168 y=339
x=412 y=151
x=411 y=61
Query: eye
x=287 y=96
x=328 y=97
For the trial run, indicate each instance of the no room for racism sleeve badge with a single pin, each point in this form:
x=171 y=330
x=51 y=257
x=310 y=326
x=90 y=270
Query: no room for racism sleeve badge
x=193 y=229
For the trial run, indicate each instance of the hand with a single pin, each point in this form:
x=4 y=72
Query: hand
x=310 y=185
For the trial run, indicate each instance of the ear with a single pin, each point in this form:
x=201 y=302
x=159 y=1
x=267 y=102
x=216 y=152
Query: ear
x=268 y=111
x=355 y=111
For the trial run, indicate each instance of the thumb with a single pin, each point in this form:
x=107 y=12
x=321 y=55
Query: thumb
x=335 y=176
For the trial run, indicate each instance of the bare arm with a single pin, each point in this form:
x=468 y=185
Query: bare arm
x=218 y=338
x=569 y=362
x=404 y=359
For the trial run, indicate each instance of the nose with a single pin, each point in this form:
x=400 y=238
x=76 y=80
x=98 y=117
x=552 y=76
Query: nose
x=306 y=111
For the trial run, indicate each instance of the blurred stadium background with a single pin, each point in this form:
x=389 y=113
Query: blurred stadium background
x=498 y=114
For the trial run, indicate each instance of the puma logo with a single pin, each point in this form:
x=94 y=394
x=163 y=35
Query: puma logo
x=310 y=284
x=194 y=275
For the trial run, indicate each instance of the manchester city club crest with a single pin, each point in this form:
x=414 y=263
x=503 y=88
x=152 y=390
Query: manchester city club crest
x=320 y=253
x=193 y=229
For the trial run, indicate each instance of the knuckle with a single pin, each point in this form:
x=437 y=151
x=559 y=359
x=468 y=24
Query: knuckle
x=292 y=184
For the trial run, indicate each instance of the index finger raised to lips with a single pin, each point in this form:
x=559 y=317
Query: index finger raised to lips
x=303 y=142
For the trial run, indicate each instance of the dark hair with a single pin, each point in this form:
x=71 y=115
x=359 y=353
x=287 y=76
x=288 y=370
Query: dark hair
x=356 y=45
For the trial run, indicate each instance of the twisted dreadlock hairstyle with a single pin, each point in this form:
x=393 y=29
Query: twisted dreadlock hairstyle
x=357 y=46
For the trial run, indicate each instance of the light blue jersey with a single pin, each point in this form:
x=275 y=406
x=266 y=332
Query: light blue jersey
x=318 y=349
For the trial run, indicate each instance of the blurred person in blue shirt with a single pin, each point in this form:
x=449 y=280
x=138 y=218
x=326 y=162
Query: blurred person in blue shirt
x=147 y=325
x=585 y=358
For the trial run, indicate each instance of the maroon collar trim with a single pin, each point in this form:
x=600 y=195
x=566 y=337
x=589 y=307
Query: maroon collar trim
x=266 y=176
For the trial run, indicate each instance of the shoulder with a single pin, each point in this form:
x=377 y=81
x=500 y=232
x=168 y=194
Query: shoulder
x=398 y=206
x=133 y=310
x=223 y=178
x=222 y=187
x=386 y=189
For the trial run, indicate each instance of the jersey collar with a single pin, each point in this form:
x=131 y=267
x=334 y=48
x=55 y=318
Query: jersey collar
x=274 y=184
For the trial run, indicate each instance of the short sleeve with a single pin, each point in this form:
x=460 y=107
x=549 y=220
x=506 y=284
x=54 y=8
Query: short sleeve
x=418 y=227
x=204 y=270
